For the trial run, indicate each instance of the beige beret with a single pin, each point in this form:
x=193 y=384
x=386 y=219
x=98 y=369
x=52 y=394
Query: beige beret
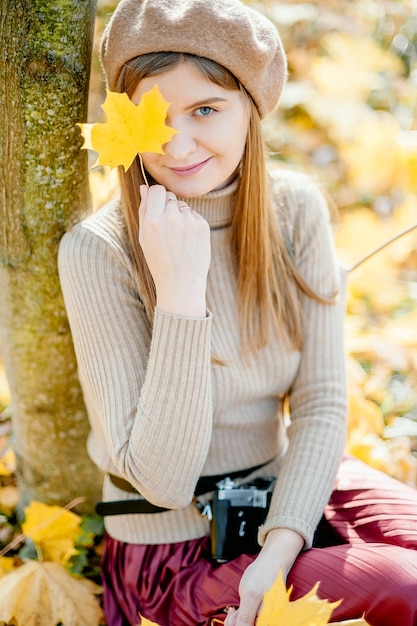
x=226 y=31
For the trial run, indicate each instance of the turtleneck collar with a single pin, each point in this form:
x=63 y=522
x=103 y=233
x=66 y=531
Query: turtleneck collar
x=216 y=206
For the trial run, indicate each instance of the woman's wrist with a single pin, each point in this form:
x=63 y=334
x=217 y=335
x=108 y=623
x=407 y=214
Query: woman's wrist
x=181 y=301
x=285 y=544
x=192 y=311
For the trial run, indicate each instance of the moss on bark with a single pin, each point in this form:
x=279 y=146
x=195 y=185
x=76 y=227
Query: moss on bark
x=44 y=75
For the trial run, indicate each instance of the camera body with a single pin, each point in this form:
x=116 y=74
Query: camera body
x=237 y=512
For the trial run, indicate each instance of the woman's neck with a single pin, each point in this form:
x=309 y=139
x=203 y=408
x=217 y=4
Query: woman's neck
x=216 y=206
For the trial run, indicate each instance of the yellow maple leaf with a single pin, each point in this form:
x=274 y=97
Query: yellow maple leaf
x=7 y=564
x=45 y=593
x=53 y=529
x=306 y=611
x=130 y=129
x=309 y=610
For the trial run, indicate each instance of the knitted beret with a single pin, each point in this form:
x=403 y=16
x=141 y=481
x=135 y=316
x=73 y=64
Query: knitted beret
x=226 y=31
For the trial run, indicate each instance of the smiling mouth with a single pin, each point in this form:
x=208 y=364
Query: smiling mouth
x=191 y=170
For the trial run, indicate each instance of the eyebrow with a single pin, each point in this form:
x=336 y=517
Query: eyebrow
x=206 y=101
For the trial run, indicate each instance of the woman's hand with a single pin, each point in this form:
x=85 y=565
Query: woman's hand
x=279 y=552
x=176 y=243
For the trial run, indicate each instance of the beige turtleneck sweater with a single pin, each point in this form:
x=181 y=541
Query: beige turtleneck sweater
x=162 y=414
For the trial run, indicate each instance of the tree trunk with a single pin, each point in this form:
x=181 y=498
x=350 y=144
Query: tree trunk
x=45 y=53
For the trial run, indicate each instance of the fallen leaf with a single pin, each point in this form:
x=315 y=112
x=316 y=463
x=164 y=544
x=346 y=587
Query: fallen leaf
x=44 y=593
x=53 y=529
x=130 y=129
x=7 y=564
x=309 y=610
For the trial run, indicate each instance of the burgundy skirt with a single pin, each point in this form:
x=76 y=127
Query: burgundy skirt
x=370 y=561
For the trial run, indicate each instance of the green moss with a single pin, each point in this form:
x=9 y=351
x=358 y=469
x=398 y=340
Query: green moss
x=50 y=70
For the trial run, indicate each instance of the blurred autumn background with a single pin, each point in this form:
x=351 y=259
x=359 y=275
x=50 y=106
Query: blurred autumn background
x=348 y=116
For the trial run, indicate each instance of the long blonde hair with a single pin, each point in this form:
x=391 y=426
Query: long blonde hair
x=265 y=272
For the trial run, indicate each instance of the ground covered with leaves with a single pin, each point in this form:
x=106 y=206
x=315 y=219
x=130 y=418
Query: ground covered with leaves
x=348 y=117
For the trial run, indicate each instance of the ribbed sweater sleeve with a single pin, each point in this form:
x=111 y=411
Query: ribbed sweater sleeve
x=150 y=388
x=162 y=413
x=317 y=430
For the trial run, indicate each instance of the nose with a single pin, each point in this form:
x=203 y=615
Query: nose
x=181 y=145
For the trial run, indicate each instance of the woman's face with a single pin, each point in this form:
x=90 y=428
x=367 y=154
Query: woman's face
x=213 y=124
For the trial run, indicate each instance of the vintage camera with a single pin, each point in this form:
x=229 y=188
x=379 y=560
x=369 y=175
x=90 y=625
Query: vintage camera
x=237 y=511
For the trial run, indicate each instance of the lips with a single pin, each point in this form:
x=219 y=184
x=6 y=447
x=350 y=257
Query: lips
x=190 y=170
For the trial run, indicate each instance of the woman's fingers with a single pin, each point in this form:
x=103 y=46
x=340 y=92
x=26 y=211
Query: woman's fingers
x=176 y=244
x=143 y=190
x=171 y=201
x=247 y=611
x=153 y=199
x=231 y=617
x=157 y=200
x=173 y=204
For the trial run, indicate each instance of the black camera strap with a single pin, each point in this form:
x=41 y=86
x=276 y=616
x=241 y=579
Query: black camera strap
x=208 y=483
x=205 y=484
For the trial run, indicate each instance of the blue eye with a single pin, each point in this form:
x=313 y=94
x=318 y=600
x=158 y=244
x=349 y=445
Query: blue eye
x=204 y=111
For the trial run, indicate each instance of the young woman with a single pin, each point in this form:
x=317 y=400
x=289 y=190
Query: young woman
x=198 y=305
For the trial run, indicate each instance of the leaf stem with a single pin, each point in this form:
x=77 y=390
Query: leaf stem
x=143 y=170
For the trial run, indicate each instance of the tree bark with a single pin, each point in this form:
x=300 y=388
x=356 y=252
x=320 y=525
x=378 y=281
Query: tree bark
x=45 y=56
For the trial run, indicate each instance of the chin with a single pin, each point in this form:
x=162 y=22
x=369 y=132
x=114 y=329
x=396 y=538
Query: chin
x=190 y=189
